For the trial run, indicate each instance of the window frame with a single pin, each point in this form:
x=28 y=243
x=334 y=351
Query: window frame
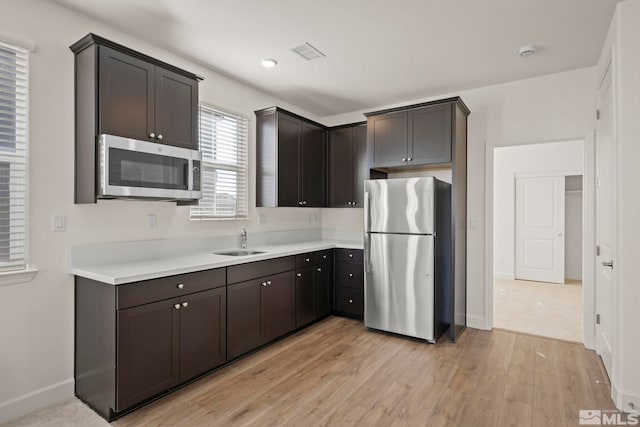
x=241 y=169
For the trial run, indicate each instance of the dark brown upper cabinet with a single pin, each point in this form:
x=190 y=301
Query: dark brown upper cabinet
x=347 y=165
x=291 y=160
x=413 y=136
x=120 y=91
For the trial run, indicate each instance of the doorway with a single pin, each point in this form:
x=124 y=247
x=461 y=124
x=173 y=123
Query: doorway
x=538 y=239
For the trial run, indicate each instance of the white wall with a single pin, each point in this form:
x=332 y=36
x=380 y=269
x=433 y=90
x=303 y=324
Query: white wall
x=623 y=43
x=556 y=107
x=558 y=158
x=36 y=318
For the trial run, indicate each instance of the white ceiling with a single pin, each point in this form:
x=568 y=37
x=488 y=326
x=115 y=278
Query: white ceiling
x=379 y=52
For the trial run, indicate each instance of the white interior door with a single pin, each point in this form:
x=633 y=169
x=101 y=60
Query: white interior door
x=605 y=224
x=540 y=229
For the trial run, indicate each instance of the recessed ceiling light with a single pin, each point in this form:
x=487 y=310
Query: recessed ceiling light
x=269 y=62
x=528 y=50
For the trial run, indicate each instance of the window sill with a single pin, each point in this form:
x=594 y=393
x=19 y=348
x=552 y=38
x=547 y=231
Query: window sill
x=17 y=276
x=222 y=218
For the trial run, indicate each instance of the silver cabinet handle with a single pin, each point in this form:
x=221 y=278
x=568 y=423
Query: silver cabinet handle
x=608 y=264
x=410 y=159
x=264 y=283
x=324 y=256
x=353 y=203
x=404 y=159
x=152 y=135
x=350 y=301
x=160 y=136
x=319 y=269
x=185 y=304
x=268 y=282
x=350 y=255
x=180 y=285
x=176 y=306
x=350 y=274
x=299 y=274
x=300 y=203
x=307 y=259
x=304 y=202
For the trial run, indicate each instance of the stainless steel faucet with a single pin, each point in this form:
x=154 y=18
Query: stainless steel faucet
x=243 y=238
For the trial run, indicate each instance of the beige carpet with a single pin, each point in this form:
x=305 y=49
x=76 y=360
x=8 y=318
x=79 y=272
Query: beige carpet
x=69 y=413
x=546 y=309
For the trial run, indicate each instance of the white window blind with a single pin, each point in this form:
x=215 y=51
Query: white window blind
x=223 y=142
x=13 y=156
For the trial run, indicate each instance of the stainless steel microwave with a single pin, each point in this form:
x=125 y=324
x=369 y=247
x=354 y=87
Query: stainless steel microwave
x=134 y=169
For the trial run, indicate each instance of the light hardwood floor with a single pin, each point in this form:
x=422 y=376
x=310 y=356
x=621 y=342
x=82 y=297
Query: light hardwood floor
x=338 y=373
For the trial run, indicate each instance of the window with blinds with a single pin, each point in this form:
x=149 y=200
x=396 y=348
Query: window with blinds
x=223 y=143
x=13 y=156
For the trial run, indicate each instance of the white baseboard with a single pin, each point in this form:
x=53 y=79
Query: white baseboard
x=476 y=322
x=622 y=400
x=37 y=399
x=504 y=276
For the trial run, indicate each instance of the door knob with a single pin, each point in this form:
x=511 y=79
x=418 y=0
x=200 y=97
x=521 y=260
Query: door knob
x=350 y=274
x=299 y=274
x=180 y=286
x=404 y=159
x=264 y=283
x=410 y=159
x=319 y=269
x=185 y=304
x=152 y=135
x=350 y=301
x=160 y=136
x=176 y=306
x=608 y=264
x=268 y=282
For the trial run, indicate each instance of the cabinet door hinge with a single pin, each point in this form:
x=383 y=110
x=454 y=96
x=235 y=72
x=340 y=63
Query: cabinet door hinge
x=597 y=250
x=597 y=114
x=597 y=319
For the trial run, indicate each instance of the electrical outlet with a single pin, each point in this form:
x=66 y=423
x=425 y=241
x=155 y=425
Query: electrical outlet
x=59 y=222
x=152 y=221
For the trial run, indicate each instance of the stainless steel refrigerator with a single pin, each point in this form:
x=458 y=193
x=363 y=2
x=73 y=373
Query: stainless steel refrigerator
x=408 y=256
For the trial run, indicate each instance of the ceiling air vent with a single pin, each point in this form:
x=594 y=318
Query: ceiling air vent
x=307 y=51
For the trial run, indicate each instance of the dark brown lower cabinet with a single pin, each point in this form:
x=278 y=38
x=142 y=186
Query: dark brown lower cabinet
x=203 y=332
x=313 y=293
x=136 y=341
x=148 y=351
x=168 y=342
x=349 y=283
x=305 y=296
x=259 y=311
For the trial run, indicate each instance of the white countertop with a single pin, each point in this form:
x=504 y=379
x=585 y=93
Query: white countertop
x=121 y=272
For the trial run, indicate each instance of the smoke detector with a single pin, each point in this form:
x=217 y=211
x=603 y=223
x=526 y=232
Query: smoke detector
x=528 y=50
x=307 y=51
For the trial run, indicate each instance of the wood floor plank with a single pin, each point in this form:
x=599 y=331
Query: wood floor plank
x=337 y=373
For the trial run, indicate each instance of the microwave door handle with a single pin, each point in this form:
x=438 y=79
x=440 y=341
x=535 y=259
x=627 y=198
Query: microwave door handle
x=189 y=173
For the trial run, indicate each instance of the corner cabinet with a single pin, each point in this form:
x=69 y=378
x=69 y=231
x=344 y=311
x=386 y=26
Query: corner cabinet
x=291 y=160
x=347 y=166
x=122 y=92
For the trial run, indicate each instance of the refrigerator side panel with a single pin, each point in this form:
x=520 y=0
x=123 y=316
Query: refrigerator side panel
x=400 y=205
x=399 y=284
x=444 y=261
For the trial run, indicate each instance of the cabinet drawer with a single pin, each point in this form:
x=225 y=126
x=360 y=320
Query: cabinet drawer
x=349 y=255
x=147 y=291
x=312 y=258
x=350 y=301
x=253 y=270
x=349 y=275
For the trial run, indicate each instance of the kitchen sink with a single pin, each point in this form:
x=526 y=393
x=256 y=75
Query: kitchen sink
x=239 y=252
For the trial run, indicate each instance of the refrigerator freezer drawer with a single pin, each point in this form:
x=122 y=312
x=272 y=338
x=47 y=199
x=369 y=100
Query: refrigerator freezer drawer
x=399 y=284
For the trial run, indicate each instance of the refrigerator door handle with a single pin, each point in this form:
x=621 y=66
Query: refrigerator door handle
x=366 y=212
x=367 y=254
